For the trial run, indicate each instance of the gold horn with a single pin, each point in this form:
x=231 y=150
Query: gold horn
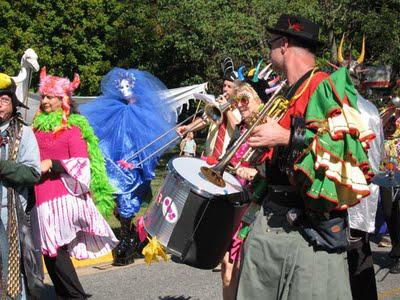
x=276 y=111
x=275 y=108
x=215 y=113
x=340 y=51
x=360 y=59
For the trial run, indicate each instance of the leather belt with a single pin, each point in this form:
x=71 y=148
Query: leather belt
x=285 y=195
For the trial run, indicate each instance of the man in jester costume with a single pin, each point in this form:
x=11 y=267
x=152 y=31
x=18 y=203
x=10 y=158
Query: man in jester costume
x=130 y=119
x=296 y=246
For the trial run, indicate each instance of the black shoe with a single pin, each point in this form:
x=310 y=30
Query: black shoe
x=395 y=269
x=137 y=245
x=123 y=254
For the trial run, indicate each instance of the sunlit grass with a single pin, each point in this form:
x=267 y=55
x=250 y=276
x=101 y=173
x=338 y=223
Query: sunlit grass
x=156 y=183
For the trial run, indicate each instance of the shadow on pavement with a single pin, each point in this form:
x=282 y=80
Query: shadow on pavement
x=175 y=298
x=382 y=259
x=48 y=293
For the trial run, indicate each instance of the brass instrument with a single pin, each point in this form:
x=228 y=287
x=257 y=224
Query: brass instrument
x=276 y=112
x=275 y=108
x=212 y=112
x=215 y=113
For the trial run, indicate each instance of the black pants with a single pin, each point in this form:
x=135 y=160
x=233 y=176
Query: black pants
x=361 y=268
x=63 y=276
x=391 y=213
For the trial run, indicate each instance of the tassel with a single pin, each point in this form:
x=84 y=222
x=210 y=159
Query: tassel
x=153 y=250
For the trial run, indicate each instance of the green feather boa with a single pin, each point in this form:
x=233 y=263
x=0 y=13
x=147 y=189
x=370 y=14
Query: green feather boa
x=100 y=187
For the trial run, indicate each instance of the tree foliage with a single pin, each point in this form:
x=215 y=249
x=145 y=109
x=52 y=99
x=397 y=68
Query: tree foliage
x=180 y=41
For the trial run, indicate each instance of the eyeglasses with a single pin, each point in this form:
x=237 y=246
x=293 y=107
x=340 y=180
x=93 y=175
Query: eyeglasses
x=5 y=100
x=271 y=41
x=243 y=100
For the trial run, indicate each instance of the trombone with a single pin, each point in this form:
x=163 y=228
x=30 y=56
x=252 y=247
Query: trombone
x=277 y=105
x=215 y=113
x=276 y=112
x=212 y=112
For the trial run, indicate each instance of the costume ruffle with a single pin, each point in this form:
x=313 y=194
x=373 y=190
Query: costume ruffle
x=100 y=187
x=335 y=163
x=77 y=178
x=74 y=221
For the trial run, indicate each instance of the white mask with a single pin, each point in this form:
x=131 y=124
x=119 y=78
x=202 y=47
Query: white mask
x=125 y=88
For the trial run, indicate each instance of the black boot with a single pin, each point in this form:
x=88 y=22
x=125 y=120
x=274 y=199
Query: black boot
x=123 y=254
x=395 y=269
x=137 y=245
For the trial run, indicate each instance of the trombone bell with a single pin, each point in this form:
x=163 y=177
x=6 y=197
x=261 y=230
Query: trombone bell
x=214 y=114
x=213 y=176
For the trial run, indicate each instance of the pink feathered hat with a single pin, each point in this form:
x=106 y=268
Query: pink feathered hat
x=57 y=86
x=60 y=87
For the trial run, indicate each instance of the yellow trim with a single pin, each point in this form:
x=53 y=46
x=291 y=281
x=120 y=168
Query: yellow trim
x=297 y=96
x=389 y=293
x=88 y=262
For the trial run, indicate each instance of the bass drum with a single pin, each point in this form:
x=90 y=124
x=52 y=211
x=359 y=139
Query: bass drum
x=193 y=218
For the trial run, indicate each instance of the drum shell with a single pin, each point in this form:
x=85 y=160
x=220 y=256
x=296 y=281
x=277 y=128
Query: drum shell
x=204 y=232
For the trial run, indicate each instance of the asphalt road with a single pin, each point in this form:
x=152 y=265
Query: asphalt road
x=163 y=281
x=388 y=284
x=171 y=281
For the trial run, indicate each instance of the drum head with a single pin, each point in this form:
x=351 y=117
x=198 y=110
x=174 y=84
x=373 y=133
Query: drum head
x=189 y=169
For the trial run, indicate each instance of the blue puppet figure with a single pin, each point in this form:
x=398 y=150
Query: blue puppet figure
x=129 y=115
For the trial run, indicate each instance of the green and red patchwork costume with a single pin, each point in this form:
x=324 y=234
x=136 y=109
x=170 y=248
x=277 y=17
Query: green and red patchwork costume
x=335 y=162
x=331 y=173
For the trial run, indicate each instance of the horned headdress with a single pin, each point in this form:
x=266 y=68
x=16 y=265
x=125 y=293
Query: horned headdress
x=352 y=65
x=60 y=87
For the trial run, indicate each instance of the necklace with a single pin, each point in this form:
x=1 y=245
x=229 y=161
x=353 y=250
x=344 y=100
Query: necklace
x=298 y=95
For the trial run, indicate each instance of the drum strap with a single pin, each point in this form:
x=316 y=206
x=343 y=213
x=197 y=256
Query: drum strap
x=239 y=198
x=190 y=240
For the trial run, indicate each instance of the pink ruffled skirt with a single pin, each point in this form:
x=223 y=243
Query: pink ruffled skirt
x=76 y=222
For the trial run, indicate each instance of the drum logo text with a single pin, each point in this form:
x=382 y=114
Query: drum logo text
x=170 y=212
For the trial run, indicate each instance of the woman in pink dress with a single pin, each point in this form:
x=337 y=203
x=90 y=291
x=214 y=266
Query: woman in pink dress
x=73 y=172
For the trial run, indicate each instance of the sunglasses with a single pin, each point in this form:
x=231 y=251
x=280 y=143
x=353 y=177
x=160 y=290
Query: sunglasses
x=271 y=41
x=243 y=100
